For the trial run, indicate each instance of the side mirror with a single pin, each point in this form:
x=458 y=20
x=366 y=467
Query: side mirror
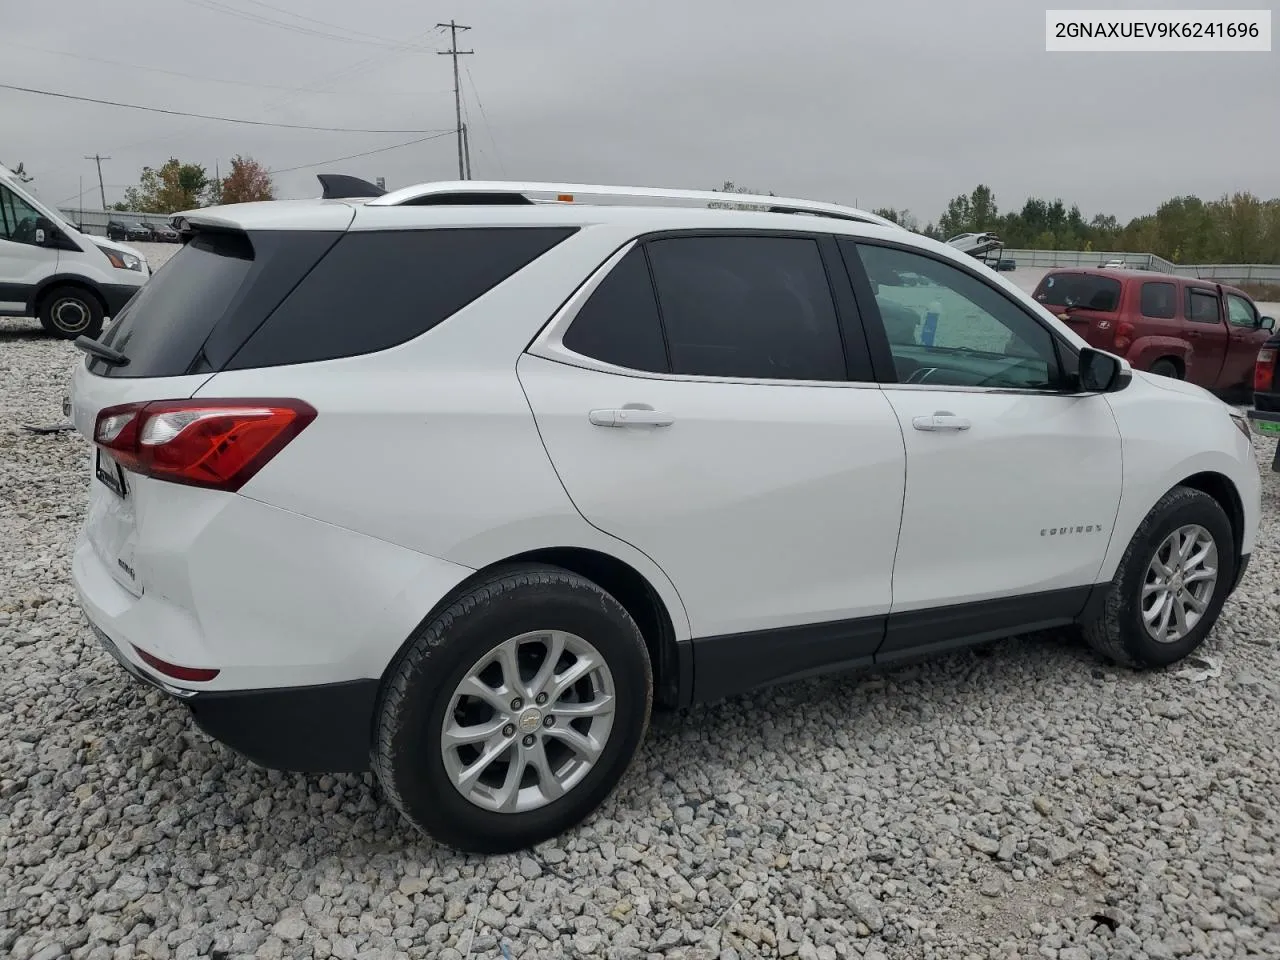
x=1267 y=323
x=1101 y=372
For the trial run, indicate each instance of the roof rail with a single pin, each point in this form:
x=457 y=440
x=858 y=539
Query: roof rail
x=465 y=192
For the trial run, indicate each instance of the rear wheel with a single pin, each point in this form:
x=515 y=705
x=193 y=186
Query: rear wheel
x=1165 y=367
x=71 y=312
x=514 y=712
x=1170 y=585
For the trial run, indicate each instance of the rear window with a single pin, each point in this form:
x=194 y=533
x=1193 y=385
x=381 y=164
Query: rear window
x=231 y=300
x=375 y=290
x=1085 y=290
x=197 y=309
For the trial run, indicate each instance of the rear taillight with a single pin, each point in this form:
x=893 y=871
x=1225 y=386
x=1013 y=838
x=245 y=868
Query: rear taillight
x=217 y=444
x=1264 y=370
x=1124 y=336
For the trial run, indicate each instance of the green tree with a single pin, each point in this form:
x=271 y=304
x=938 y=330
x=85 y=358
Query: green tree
x=173 y=187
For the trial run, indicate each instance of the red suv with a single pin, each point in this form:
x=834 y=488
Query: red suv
x=1180 y=327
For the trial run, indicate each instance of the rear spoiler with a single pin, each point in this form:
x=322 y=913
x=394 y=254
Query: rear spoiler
x=338 y=186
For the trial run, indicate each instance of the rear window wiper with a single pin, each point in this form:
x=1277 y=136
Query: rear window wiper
x=101 y=351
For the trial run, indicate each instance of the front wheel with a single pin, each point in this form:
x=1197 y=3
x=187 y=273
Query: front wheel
x=1170 y=585
x=71 y=312
x=513 y=713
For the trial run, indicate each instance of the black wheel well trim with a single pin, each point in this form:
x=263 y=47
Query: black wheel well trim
x=671 y=660
x=1220 y=487
x=63 y=280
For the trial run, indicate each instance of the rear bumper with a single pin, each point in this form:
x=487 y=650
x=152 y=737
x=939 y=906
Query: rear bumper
x=326 y=728
x=1266 y=423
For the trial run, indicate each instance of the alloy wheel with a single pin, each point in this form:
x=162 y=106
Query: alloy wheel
x=528 y=721
x=1179 y=583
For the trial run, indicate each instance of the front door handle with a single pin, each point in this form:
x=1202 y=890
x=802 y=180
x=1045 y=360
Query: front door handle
x=941 y=422
x=630 y=417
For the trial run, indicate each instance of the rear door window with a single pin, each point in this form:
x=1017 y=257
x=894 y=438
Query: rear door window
x=619 y=323
x=1203 y=306
x=1085 y=290
x=750 y=307
x=1159 y=300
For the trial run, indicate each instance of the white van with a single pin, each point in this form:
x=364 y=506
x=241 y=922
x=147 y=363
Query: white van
x=48 y=269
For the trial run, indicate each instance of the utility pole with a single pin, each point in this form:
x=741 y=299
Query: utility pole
x=102 y=191
x=466 y=152
x=454 y=52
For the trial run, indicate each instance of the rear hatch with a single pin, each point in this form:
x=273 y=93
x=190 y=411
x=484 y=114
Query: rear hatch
x=183 y=325
x=248 y=299
x=1086 y=302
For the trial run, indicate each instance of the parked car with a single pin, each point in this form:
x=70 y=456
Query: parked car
x=1265 y=414
x=128 y=230
x=163 y=233
x=616 y=455
x=1114 y=265
x=1007 y=264
x=975 y=244
x=50 y=270
x=1208 y=334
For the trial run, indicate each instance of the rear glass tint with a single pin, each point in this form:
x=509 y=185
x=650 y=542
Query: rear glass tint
x=375 y=290
x=1086 y=290
x=199 y=307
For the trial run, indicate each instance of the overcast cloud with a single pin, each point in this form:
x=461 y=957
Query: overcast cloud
x=900 y=103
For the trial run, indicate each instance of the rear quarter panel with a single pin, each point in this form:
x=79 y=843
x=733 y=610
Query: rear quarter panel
x=432 y=445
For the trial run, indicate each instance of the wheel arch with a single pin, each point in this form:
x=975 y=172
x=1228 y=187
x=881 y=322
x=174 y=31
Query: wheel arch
x=1223 y=490
x=672 y=660
x=42 y=289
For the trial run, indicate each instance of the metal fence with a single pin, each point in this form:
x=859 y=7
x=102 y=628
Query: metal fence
x=1234 y=273
x=94 y=222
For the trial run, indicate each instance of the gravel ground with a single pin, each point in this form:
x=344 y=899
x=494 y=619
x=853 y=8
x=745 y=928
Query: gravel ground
x=1021 y=801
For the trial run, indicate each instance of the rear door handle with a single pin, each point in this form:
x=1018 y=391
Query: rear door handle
x=630 y=417
x=941 y=422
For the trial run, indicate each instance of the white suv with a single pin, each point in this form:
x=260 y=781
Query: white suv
x=456 y=482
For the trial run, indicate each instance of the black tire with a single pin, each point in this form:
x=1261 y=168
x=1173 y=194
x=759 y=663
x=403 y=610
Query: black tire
x=1166 y=368
x=1119 y=632
x=71 y=312
x=408 y=757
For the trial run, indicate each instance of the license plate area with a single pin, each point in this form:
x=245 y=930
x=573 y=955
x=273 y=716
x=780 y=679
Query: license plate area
x=110 y=473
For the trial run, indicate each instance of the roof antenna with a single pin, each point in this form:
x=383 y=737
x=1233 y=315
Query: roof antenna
x=338 y=186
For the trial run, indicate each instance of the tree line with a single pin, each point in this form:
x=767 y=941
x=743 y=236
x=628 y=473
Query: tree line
x=176 y=186
x=1240 y=228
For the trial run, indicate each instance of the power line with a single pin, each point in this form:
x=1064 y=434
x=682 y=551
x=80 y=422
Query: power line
x=323 y=23
x=367 y=153
x=200 y=116
x=193 y=76
x=344 y=37
x=454 y=52
x=487 y=126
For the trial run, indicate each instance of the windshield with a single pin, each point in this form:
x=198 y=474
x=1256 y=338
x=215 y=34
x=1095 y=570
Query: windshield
x=1085 y=290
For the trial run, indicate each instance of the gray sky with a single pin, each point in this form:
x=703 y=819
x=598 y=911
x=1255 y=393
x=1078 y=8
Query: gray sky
x=902 y=103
